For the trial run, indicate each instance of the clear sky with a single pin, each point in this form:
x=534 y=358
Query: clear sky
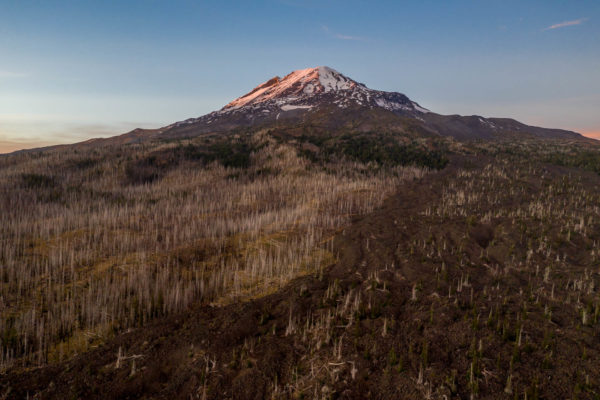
x=71 y=70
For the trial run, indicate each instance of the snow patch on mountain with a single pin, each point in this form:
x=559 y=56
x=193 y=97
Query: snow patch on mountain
x=419 y=108
x=288 y=107
x=330 y=79
x=390 y=105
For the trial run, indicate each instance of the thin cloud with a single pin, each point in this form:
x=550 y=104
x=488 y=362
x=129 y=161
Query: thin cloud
x=566 y=23
x=347 y=37
x=341 y=36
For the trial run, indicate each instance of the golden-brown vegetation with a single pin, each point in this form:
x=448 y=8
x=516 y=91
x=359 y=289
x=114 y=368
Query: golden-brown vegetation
x=88 y=248
x=480 y=281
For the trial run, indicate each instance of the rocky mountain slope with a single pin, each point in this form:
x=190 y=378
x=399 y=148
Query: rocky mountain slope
x=304 y=96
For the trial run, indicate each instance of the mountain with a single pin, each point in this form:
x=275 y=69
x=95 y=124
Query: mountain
x=322 y=96
x=327 y=101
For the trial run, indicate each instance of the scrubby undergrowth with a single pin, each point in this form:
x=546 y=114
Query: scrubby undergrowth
x=94 y=242
x=304 y=274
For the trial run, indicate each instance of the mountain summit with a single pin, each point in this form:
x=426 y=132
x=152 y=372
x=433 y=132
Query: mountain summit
x=306 y=88
x=298 y=83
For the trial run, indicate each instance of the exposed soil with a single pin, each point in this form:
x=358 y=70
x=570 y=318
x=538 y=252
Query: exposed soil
x=418 y=305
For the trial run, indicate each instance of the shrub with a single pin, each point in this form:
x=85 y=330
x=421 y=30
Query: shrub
x=37 y=181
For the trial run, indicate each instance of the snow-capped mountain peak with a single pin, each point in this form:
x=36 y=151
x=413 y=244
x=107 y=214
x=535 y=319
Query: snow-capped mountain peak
x=305 y=90
x=298 y=83
x=325 y=96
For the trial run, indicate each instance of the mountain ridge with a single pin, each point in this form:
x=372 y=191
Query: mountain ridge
x=299 y=96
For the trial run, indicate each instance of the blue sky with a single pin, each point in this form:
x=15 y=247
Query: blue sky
x=70 y=70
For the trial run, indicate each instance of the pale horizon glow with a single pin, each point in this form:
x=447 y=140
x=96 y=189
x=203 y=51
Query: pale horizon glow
x=71 y=72
x=593 y=135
